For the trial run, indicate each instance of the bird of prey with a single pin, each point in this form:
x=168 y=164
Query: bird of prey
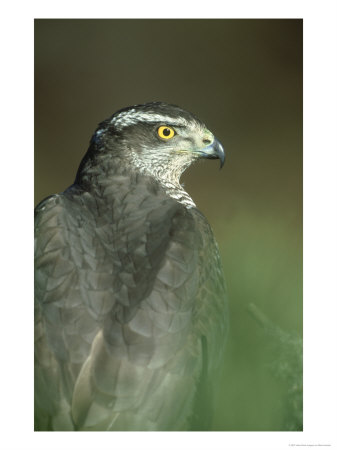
x=131 y=311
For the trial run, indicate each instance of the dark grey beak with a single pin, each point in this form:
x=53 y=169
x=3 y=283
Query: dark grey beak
x=214 y=151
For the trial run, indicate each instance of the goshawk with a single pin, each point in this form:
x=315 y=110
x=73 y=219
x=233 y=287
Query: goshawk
x=130 y=312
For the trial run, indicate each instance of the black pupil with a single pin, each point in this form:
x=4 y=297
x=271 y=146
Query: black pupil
x=166 y=132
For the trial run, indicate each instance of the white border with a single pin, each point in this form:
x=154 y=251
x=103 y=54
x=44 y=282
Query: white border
x=320 y=189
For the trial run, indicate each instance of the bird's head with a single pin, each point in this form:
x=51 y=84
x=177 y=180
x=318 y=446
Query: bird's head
x=156 y=139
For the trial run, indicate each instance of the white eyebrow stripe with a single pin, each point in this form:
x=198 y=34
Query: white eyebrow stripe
x=131 y=117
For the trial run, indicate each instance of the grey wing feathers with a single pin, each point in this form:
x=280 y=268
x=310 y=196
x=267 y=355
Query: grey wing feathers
x=116 y=312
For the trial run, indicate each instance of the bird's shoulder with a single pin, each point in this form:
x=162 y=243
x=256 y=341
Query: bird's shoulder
x=113 y=244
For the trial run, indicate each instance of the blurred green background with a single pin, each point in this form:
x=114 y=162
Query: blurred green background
x=243 y=78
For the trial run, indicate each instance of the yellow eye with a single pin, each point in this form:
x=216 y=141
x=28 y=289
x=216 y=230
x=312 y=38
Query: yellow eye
x=165 y=132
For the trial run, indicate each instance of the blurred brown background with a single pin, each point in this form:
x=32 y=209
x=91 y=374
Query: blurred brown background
x=243 y=78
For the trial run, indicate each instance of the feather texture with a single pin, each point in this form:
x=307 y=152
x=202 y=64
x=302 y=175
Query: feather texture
x=128 y=284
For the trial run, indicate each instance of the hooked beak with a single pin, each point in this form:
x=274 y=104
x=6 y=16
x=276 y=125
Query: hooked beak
x=213 y=151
